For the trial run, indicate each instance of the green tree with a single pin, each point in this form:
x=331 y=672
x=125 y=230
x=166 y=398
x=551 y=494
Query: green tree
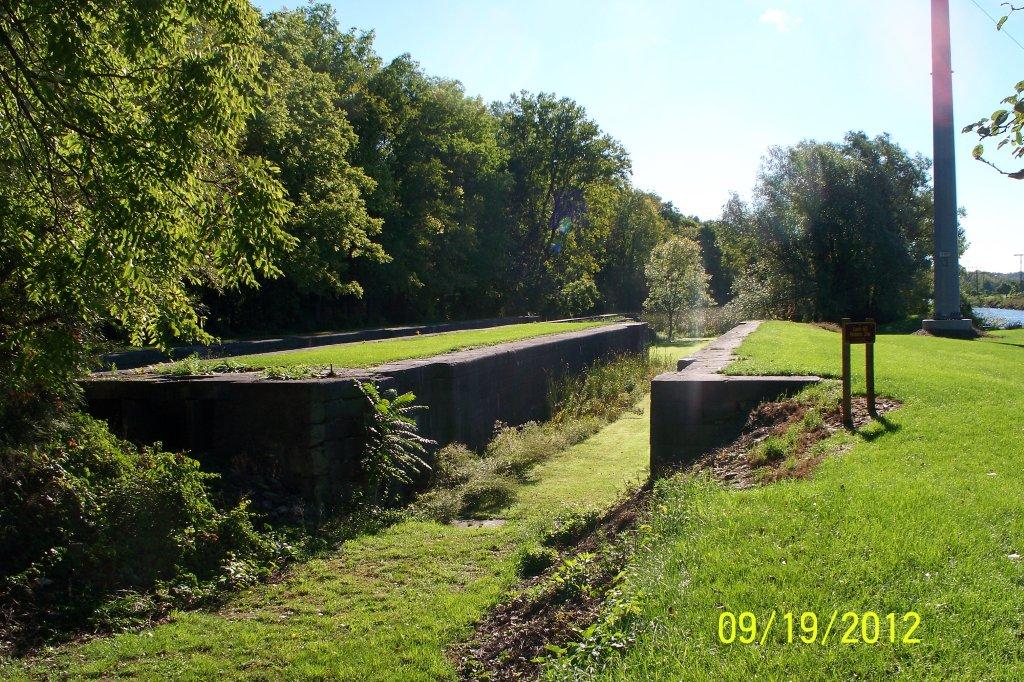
x=434 y=155
x=123 y=186
x=716 y=263
x=557 y=159
x=301 y=126
x=637 y=227
x=676 y=281
x=311 y=68
x=835 y=230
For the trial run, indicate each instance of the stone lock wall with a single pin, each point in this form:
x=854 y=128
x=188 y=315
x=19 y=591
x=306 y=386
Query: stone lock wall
x=306 y=433
x=696 y=409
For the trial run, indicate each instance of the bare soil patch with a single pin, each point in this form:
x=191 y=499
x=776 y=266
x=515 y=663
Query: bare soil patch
x=735 y=466
x=509 y=638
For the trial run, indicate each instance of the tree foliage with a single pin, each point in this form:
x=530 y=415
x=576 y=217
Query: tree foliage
x=677 y=281
x=1005 y=125
x=557 y=159
x=834 y=230
x=637 y=228
x=300 y=126
x=123 y=185
x=434 y=154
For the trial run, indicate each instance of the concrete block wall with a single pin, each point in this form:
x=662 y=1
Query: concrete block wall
x=306 y=433
x=694 y=413
x=697 y=409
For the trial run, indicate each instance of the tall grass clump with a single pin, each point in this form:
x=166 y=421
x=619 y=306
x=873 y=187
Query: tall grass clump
x=466 y=484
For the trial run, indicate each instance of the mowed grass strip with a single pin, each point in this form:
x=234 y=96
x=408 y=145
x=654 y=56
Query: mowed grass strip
x=370 y=353
x=923 y=515
x=383 y=607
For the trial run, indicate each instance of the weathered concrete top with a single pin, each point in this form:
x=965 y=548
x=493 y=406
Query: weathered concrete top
x=717 y=355
x=140 y=357
x=708 y=363
x=366 y=373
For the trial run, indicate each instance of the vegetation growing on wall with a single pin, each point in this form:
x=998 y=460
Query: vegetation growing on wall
x=97 y=532
x=465 y=484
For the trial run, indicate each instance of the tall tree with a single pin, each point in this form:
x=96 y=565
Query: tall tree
x=555 y=156
x=434 y=154
x=311 y=68
x=676 y=281
x=835 y=230
x=716 y=263
x=123 y=187
x=637 y=227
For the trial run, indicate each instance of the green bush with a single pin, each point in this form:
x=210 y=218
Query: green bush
x=771 y=449
x=89 y=524
x=606 y=390
x=486 y=495
x=465 y=485
x=534 y=559
x=393 y=450
x=570 y=528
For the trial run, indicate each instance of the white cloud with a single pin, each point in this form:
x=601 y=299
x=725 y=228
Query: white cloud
x=783 y=21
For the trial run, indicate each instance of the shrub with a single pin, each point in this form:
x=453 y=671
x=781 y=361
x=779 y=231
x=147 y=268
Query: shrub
x=534 y=560
x=518 y=449
x=465 y=484
x=85 y=516
x=486 y=494
x=771 y=449
x=604 y=391
x=453 y=464
x=570 y=528
x=813 y=420
x=571 y=578
x=393 y=450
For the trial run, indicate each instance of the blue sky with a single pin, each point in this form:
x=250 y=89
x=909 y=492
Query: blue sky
x=697 y=90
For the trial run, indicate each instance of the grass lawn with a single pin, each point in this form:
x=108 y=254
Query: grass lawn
x=923 y=516
x=369 y=353
x=383 y=607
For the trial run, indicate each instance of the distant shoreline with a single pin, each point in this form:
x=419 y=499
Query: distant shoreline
x=1001 y=302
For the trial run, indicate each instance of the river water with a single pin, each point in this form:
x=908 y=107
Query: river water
x=1000 y=316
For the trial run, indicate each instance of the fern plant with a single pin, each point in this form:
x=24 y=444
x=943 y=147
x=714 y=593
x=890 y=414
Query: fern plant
x=394 y=450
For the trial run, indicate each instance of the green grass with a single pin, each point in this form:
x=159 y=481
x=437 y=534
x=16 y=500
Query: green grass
x=382 y=607
x=678 y=349
x=923 y=516
x=370 y=353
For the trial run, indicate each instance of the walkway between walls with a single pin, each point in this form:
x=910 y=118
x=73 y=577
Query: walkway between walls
x=718 y=354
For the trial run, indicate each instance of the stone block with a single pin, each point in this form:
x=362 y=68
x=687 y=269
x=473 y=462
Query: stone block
x=692 y=413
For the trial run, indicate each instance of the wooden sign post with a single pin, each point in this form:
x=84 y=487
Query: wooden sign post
x=858 y=332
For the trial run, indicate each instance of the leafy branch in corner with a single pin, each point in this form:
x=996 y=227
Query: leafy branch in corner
x=1006 y=123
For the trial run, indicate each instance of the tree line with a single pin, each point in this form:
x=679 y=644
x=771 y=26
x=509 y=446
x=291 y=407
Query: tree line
x=412 y=200
x=233 y=172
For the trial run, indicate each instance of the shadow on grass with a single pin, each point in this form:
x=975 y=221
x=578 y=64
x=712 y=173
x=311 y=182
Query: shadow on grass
x=906 y=326
x=877 y=428
x=1009 y=343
